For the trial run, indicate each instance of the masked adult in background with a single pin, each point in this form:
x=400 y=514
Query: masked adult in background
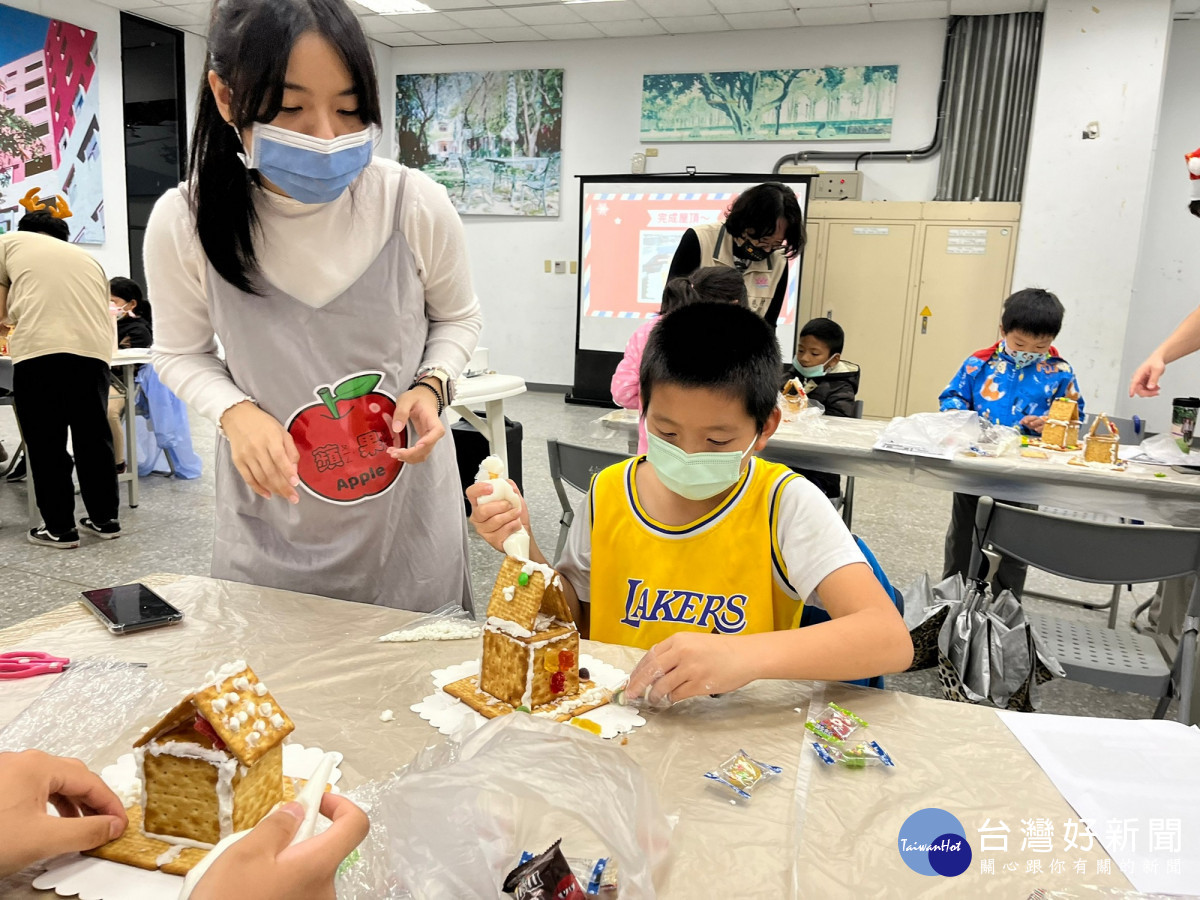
x=338 y=285
x=1167 y=609
x=762 y=230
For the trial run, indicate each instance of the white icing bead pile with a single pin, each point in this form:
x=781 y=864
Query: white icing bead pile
x=447 y=630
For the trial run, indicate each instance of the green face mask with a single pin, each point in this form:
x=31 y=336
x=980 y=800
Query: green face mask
x=696 y=476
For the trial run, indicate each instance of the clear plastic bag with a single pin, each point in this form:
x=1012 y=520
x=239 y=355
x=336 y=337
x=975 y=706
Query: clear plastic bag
x=446 y=623
x=454 y=822
x=945 y=435
x=92 y=703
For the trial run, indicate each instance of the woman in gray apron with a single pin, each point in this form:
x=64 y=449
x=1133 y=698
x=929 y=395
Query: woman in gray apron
x=338 y=287
x=763 y=229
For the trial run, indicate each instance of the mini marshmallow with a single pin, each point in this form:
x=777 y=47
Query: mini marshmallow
x=260 y=725
x=277 y=721
x=243 y=716
x=387 y=716
x=253 y=738
x=233 y=724
x=260 y=689
x=264 y=709
x=241 y=683
x=231 y=698
x=219 y=705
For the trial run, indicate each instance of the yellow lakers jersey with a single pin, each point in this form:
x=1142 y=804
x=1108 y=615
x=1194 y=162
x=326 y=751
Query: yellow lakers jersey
x=721 y=574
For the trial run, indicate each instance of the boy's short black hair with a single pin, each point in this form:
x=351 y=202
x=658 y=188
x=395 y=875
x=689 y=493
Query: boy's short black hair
x=41 y=222
x=719 y=346
x=1034 y=311
x=757 y=211
x=827 y=331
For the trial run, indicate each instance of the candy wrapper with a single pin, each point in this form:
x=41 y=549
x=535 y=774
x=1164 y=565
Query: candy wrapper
x=544 y=877
x=598 y=877
x=743 y=775
x=852 y=754
x=835 y=724
x=446 y=623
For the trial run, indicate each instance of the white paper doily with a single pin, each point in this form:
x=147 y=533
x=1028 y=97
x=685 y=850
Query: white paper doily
x=101 y=879
x=447 y=714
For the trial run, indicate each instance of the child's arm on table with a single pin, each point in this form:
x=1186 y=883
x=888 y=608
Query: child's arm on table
x=866 y=637
x=496 y=521
x=960 y=392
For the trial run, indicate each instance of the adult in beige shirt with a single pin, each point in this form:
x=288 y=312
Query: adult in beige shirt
x=55 y=295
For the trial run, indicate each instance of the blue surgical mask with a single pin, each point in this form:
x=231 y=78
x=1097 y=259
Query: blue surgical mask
x=1023 y=358
x=809 y=371
x=309 y=169
x=696 y=476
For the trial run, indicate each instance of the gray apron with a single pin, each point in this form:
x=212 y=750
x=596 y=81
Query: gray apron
x=367 y=528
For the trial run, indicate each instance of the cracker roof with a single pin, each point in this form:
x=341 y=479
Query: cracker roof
x=1111 y=435
x=529 y=599
x=1056 y=413
x=234 y=695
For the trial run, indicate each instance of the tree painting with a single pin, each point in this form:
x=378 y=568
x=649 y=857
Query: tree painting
x=18 y=139
x=492 y=138
x=829 y=103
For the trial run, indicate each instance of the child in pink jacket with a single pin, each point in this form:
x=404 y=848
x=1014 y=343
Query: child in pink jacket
x=714 y=284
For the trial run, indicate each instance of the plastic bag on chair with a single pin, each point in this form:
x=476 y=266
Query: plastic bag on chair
x=989 y=653
x=454 y=822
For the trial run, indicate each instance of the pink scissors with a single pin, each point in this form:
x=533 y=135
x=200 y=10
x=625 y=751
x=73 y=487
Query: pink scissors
x=28 y=663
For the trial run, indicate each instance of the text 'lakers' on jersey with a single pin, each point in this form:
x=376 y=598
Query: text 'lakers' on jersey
x=722 y=574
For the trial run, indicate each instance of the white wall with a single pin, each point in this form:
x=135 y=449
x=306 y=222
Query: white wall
x=194 y=48
x=529 y=317
x=1166 y=286
x=1085 y=201
x=113 y=254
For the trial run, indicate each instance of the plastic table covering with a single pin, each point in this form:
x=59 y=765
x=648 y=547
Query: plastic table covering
x=846 y=447
x=812 y=832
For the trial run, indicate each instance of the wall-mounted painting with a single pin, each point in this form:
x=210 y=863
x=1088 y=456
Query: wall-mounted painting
x=49 y=120
x=834 y=103
x=494 y=139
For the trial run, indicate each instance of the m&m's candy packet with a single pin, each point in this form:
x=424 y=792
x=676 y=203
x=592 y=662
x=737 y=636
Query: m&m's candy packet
x=835 y=723
x=742 y=775
x=546 y=876
x=598 y=877
x=852 y=754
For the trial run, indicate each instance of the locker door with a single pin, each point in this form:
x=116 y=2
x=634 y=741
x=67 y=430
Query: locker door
x=867 y=275
x=964 y=274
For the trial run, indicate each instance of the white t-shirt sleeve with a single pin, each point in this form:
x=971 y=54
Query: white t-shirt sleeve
x=185 y=345
x=435 y=234
x=813 y=538
x=576 y=562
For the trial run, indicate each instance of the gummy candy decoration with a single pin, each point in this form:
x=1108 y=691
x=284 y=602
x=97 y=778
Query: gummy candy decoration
x=586 y=724
x=558 y=683
x=584 y=674
x=550 y=662
x=566 y=659
x=523 y=579
x=523 y=708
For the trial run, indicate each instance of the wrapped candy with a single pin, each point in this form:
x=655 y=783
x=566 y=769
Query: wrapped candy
x=852 y=754
x=835 y=724
x=742 y=774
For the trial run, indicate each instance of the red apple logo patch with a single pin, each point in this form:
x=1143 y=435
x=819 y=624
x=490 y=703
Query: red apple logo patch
x=343 y=440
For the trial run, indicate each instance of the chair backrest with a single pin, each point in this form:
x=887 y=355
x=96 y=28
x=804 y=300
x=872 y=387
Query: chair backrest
x=1082 y=550
x=1131 y=432
x=858 y=409
x=575 y=465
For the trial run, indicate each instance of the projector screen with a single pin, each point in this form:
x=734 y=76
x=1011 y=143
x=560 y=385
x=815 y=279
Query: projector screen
x=629 y=230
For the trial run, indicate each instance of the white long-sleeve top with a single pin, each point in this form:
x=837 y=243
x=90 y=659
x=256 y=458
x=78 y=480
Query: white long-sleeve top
x=313 y=252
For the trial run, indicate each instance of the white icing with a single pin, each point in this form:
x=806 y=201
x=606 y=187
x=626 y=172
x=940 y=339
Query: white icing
x=442 y=630
x=168 y=855
x=241 y=683
x=219 y=705
x=220 y=676
x=260 y=725
x=129 y=792
x=527 y=696
x=544 y=623
x=233 y=724
x=509 y=592
x=182 y=842
x=512 y=629
x=569 y=704
x=277 y=721
x=253 y=738
x=264 y=709
x=387 y=716
x=225 y=765
x=530 y=567
x=188 y=750
x=260 y=689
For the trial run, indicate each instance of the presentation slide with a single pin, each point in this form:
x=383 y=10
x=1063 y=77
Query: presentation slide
x=629 y=232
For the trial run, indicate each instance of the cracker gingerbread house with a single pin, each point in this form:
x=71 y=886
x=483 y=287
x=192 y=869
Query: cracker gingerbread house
x=1061 y=431
x=1102 y=446
x=211 y=766
x=530 y=658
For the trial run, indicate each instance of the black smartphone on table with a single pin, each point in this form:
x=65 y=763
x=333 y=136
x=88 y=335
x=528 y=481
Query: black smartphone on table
x=130 y=607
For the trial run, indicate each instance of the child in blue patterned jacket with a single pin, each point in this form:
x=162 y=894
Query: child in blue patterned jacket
x=1010 y=383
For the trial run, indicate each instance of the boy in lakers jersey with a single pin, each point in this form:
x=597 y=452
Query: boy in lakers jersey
x=705 y=554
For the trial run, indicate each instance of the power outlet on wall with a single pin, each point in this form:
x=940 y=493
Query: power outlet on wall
x=837 y=186
x=560 y=267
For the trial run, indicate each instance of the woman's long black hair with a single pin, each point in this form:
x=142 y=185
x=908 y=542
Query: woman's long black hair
x=249 y=43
